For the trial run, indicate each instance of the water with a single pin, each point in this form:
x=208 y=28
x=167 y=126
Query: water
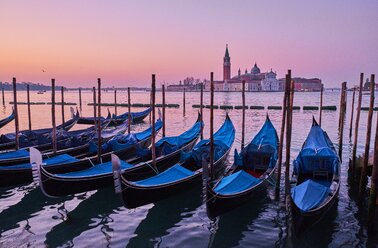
x=98 y=218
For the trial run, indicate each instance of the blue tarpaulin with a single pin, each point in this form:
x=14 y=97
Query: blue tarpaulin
x=265 y=142
x=172 y=174
x=236 y=182
x=98 y=169
x=59 y=159
x=170 y=144
x=14 y=154
x=318 y=153
x=223 y=140
x=309 y=194
x=122 y=141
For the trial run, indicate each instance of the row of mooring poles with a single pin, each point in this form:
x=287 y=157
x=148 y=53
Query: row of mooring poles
x=289 y=119
x=363 y=176
x=342 y=117
x=355 y=141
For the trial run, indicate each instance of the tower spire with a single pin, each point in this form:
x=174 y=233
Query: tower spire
x=226 y=53
x=226 y=65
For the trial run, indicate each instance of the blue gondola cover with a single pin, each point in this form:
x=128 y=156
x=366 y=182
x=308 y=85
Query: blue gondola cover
x=236 y=182
x=309 y=194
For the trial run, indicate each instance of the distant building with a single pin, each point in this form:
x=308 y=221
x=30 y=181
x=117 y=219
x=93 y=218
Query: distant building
x=255 y=80
x=366 y=86
x=304 y=84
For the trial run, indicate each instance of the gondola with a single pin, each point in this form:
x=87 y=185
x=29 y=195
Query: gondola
x=179 y=176
x=74 y=143
x=135 y=116
x=168 y=151
x=8 y=119
x=93 y=120
x=251 y=173
x=28 y=138
x=123 y=145
x=315 y=181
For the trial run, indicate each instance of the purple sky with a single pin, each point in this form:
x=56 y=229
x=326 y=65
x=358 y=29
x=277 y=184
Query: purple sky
x=124 y=42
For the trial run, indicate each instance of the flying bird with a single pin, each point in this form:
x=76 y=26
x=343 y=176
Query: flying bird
x=43 y=70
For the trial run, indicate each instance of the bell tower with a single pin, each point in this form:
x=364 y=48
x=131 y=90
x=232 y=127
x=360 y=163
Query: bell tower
x=226 y=65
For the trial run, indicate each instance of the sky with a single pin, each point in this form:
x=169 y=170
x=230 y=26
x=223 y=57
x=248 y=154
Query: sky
x=124 y=42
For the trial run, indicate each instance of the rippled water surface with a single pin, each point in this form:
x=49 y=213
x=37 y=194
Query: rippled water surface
x=98 y=218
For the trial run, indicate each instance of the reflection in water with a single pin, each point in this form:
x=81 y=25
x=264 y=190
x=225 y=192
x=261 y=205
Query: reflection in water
x=228 y=229
x=163 y=216
x=30 y=205
x=259 y=222
x=90 y=213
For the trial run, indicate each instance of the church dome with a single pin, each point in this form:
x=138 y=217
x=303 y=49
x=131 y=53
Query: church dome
x=271 y=74
x=255 y=69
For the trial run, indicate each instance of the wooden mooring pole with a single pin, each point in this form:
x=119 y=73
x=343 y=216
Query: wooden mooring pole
x=363 y=178
x=94 y=104
x=28 y=101
x=2 y=92
x=351 y=115
x=212 y=125
x=243 y=115
x=150 y=115
x=54 y=144
x=183 y=103
x=321 y=106
x=280 y=147
x=62 y=92
x=115 y=101
x=289 y=117
x=355 y=142
x=80 y=103
x=201 y=110
x=342 y=118
x=99 y=144
x=163 y=106
x=129 y=110
x=153 y=151
x=16 y=122
x=374 y=184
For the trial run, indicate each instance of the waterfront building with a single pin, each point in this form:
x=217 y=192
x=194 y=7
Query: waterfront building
x=255 y=79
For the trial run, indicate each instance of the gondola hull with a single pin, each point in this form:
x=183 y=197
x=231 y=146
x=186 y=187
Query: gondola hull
x=302 y=221
x=135 y=196
x=66 y=126
x=217 y=204
x=6 y=120
x=61 y=186
x=11 y=177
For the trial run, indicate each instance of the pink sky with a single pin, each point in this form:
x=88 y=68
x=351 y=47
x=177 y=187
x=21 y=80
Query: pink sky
x=124 y=42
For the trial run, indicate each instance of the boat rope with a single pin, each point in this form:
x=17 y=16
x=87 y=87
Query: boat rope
x=271 y=181
x=151 y=166
x=90 y=161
